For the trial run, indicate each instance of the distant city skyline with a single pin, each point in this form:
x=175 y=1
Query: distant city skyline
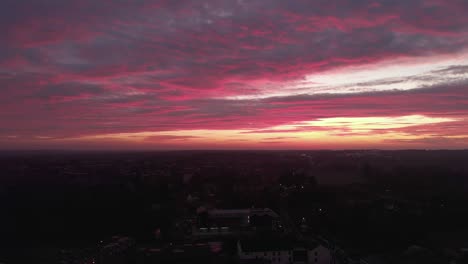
x=210 y=74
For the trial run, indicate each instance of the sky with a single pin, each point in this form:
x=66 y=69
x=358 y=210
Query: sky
x=233 y=74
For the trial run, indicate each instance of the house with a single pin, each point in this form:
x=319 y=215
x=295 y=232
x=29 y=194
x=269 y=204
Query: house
x=280 y=250
x=226 y=222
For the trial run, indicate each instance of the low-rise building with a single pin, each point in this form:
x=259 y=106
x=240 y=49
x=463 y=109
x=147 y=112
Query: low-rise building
x=278 y=250
x=117 y=251
x=237 y=221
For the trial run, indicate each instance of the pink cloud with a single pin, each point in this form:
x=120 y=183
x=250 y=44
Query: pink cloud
x=86 y=67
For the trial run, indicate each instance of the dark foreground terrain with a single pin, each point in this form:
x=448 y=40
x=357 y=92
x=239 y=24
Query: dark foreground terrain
x=362 y=206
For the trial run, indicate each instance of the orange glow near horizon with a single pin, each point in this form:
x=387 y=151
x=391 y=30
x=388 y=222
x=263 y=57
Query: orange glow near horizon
x=339 y=132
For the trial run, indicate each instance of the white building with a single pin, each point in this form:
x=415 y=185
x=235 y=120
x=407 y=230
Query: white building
x=283 y=251
x=236 y=221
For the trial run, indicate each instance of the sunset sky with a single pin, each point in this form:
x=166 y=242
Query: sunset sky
x=233 y=74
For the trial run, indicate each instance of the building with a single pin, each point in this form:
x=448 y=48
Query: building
x=118 y=251
x=280 y=250
x=189 y=253
x=226 y=222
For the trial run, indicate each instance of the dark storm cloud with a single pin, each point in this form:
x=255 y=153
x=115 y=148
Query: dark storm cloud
x=72 y=89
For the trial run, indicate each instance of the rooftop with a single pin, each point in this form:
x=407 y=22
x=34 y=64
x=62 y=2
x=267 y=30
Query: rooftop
x=274 y=243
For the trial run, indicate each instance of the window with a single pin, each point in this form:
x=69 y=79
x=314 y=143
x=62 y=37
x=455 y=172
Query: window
x=315 y=253
x=315 y=259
